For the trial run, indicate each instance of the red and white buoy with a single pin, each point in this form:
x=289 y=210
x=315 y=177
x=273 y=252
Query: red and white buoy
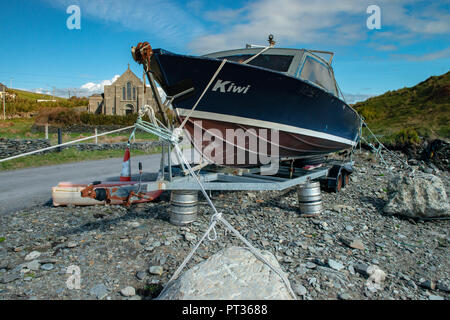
x=125 y=175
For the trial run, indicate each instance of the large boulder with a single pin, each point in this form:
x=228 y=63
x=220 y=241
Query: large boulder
x=231 y=274
x=422 y=196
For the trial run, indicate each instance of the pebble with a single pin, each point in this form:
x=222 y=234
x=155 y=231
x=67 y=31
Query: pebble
x=357 y=244
x=190 y=236
x=444 y=285
x=71 y=244
x=128 y=291
x=349 y=228
x=361 y=268
x=336 y=265
x=300 y=290
x=10 y=277
x=33 y=265
x=428 y=284
x=47 y=266
x=434 y=297
x=157 y=270
x=32 y=255
x=99 y=290
x=141 y=275
x=344 y=296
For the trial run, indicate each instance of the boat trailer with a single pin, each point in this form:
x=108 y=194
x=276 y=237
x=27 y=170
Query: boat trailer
x=332 y=176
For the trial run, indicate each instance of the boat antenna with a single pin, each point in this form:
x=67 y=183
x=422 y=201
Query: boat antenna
x=271 y=41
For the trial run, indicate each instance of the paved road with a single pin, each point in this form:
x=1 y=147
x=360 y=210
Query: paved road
x=26 y=188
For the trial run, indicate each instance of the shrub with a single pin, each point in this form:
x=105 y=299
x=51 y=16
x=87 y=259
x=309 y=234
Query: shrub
x=57 y=116
x=406 y=136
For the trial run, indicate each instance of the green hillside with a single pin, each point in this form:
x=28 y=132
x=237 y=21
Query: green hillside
x=410 y=114
x=26 y=101
x=21 y=94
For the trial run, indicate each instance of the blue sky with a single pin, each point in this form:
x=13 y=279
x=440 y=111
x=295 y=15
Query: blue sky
x=39 y=52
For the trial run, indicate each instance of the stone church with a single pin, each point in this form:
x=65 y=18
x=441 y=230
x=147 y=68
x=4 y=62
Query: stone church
x=124 y=96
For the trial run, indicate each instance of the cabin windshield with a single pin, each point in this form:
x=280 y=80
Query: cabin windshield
x=274 y=62
x=319 y=73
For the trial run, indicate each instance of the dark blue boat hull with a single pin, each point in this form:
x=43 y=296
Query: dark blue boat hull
x=323 y=122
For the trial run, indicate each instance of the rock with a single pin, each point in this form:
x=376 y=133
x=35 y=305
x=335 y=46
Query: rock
x=128 y=291
x=99 y=290
x=361 y=268
x=344 y=296
x=135 y=297
x=158 y=270
x=428 y=284
x=32 y=255
x=444 y=285
x=71 y=244
x=232 y=274
x=310 y=265
x=357 y=244
x=141 y=275
x=10 y=277
x=190 y=236
x=299 y=289
x=47 y=266
x=376 y=278
x=354 y=244
x=423 y=196
x=33 y=265
x=134 y=224
x=434 y=297
x=336 y=265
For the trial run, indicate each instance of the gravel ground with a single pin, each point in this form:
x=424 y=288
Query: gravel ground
x=116 y=248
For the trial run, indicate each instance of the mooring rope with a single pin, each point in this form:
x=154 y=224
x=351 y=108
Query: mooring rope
x=256 y=55
x=217 y=216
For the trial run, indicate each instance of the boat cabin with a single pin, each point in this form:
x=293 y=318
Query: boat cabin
x=308 y=65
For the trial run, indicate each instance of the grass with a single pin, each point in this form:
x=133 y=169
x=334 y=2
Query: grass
x=33 y=96
x=25 y=102
x=68 y=155
x=409 y=115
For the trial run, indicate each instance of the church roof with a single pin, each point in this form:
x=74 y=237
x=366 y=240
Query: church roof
x=127 y=75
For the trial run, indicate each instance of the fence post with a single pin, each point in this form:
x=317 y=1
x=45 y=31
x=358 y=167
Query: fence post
x=59 y=139
x=46 y=131
x=96 y=138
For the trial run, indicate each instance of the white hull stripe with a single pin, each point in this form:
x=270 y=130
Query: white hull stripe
x=262 y=124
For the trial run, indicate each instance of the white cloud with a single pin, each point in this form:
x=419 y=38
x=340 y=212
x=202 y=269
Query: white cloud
x=353 y=98
x=441 y=54
x=163 y=18
x=92 y=87
x=322 y=22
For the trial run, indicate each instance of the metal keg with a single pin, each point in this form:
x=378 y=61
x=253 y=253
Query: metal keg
x=183 y=207
x=309 y=198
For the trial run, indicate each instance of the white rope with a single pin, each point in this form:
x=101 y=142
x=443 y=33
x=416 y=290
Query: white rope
x=63 y=144
x=218 y=217
x=256 y=55
x=203 y=93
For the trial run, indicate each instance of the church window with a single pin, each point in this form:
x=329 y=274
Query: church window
x=128 y=90
x=123 y=93
x=134 y=93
